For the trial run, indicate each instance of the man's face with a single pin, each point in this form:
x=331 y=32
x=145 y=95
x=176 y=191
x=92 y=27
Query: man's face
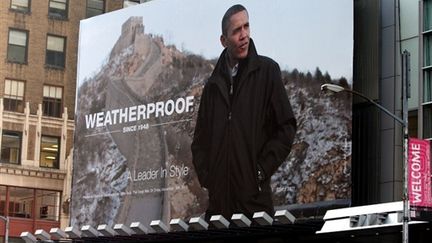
x=237 y=37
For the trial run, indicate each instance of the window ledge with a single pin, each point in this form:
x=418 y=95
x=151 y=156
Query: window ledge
x=49 y=168
x=31 y=170
x=16 y=62
x=52 y=117
x=20 y=11
x=59 y=68
x=60 y=18
x=8 y=164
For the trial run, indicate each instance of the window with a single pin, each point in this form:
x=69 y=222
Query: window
x=20 y=5
x=427 y=121
x=52 y=101
x=413 y=124
x=2 y=200
x=21 y=202
x=427 y=11
x=58 y=9
x=17 y=46
x=49 y=155
x=427 y=49
x=10 y=147
x=427 y=86
x=55 y=51
x=30 y=203
x=47 y=205
x=95 y=7
x=13 y=99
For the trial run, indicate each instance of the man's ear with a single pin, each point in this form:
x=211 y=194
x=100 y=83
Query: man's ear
x=223 y=40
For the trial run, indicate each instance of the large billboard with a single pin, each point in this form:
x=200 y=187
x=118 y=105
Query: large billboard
x=141 y=75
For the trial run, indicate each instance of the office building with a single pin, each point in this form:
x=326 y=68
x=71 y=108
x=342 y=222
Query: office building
x=38 y=53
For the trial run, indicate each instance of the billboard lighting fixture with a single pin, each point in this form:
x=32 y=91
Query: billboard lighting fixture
x=42 y=235
x=178 y=225
x=122 y=230
x=262 y=218
x=28 y=237
x=241 y=220
x=73 y=232
x=158 y=226
x=219 y=222
x=138 y=228
x=284 y=217
x=198 y=223
x=89 y=231
x=57 y=233
x=105 y=230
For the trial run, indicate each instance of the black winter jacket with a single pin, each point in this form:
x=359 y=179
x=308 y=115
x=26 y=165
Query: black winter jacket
x=234 y=136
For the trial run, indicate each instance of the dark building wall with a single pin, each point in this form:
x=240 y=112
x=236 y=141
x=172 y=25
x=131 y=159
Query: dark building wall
x=377 y=138
x=365 y=152
x=390 y=97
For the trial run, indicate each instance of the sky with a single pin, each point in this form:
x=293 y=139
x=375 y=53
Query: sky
x=302 y=34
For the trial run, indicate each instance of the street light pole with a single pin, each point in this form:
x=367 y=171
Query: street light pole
x=6 y=219
x=336 y=88
x=405 y=94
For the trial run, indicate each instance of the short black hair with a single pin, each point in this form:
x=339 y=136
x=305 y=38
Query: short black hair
x=230 y=12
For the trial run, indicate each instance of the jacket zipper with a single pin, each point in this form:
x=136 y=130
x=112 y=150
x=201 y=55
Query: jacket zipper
x=230 y=141
x=231 y=92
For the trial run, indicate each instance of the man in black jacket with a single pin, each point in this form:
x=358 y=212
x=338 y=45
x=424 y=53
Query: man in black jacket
x=245 y=125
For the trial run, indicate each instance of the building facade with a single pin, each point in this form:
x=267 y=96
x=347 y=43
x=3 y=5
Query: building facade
x=38 y=53
x=425 y=58
x=383 y=31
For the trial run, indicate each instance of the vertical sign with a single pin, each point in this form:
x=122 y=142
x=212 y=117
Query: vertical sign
x=419 y=176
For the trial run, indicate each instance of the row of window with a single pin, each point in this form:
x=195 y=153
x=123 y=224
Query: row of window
x=13 y=99
x=18 y=40
x=29 y=203
x=18 y=48
x=11 y=149
x=427 y=69
x=59 y=8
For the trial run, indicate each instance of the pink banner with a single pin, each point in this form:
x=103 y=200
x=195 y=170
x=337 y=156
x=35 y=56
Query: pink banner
x=419 y=173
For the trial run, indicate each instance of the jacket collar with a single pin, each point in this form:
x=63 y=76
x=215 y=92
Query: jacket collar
x=221 y=71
